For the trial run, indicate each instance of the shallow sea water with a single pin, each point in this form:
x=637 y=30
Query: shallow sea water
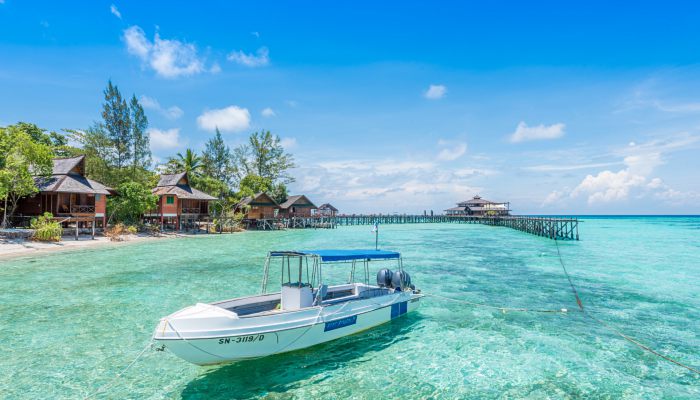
x=70 y=321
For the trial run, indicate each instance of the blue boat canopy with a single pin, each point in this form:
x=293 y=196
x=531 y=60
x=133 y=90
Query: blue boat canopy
x=342 y=255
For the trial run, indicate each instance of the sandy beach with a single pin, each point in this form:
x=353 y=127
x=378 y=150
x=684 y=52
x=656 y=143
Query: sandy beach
x=10 y=248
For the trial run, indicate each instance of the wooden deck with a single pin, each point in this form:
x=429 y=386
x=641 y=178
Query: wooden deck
x=557 y=228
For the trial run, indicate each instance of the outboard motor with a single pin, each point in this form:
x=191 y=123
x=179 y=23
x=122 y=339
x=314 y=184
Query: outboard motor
x=401 y=280
x=384 y=277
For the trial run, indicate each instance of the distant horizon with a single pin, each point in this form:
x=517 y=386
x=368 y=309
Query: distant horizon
x=556 y=108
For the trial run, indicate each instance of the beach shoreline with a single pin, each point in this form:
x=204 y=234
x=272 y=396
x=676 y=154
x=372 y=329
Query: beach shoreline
x=18 y=247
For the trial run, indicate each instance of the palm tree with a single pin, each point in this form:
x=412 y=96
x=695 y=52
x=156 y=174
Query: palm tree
x=190 y=162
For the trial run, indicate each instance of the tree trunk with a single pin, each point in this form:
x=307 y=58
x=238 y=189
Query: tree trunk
x=4 y=215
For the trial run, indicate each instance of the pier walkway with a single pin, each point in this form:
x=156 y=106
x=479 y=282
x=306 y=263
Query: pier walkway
x=558 y=228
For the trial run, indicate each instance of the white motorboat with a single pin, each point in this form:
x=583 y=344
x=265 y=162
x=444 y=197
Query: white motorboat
x=304 y=313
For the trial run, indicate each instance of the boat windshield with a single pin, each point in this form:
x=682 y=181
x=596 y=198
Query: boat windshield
x=304 y=267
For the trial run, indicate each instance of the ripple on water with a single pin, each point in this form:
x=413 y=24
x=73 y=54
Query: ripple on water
x=70 y=321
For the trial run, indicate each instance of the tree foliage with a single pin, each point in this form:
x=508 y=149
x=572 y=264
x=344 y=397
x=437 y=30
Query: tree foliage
x=120 y=140
x=21 y=159
x=189 y=162
x=264 y=156
x=217 y=160
x=141 y=142
x=117 y=123
x=134 y=200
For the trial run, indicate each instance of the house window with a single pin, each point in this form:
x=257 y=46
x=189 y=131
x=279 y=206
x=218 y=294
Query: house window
x=97 y=197
x=170 y=200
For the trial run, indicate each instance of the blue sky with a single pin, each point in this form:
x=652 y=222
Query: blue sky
x=395 y=107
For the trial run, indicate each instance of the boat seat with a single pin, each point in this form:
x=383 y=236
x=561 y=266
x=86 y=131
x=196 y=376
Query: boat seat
x=254 y=308
x=340 y=299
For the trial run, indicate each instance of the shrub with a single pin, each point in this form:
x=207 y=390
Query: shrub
x=46 y=229
x=116 y=233
x=134 y=199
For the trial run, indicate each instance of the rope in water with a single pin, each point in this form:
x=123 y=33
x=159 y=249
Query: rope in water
x=612 y=328
x=117 y=376
x=502 y=309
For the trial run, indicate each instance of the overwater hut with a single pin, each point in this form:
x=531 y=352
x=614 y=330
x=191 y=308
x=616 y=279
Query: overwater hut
x=327 y=210
x=259 y=206
x=68 y=194
x=479 y=207
x=297 y=206
x=179 y=204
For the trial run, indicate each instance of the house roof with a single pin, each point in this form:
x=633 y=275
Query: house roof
x=171 y=179
x=70 y=184
x=63 y=166
x=260 y=199
x=183 y=192
x=297 y=201
x=477 y=200
x=327 y=206
x=169 y=184
x=68 y=177
x=457 y=209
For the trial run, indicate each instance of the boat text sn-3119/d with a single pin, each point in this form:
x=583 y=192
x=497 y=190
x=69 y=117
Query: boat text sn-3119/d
x=305 y=312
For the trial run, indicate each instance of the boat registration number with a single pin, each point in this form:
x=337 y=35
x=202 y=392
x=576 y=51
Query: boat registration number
x=242 y=339
x=340 y=323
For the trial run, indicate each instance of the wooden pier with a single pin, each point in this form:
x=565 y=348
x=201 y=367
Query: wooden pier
x=557 y=228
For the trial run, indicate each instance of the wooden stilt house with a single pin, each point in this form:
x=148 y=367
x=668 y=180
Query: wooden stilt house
x=68 y=194
x=179 y=204
x=297 y=206
x=259 y=206
x=327 y=210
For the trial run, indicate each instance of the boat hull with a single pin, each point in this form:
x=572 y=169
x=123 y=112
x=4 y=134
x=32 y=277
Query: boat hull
x=315 y=326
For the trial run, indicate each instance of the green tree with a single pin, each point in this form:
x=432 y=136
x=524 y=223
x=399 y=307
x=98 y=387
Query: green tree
x=264 y=156
x=278 y=192
x=141 y=142
x=117 y=123
x=99 y=150
x=253 y=184
x=21 y=160
x=190 y=162
x=133 y=201
x=217 y=159
x=38 y=135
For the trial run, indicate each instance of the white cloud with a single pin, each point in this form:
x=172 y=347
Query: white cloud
x=288 y=142
x=115 y=11
x=540 y=132
x=569 y=167
x=256 y=34
x=228 y=119
x=164 y=139
x=215 y=68
x=473 y=172
x=260 y=59
x=553 y=198
x=435 y=92
x=173 y=112
x=387 y=185
x=451 y=151
x=640 y=160
x=168 y=58
x=608 y=186
x=268 y=112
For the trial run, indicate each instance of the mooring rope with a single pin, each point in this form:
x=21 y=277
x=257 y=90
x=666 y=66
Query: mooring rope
x=502 y=309
x=117 y=376
x=612 y=328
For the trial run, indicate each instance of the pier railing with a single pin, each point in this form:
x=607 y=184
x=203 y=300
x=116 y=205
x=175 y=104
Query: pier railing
x=558 y=228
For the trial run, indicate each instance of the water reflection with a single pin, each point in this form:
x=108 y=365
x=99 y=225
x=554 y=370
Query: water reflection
x=284 y=372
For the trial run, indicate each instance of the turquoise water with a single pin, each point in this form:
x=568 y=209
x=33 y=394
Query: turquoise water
x=69 y=322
